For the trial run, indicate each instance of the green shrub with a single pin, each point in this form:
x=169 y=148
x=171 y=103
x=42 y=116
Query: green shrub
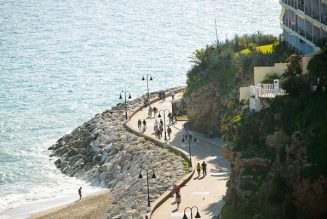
x=278 y=190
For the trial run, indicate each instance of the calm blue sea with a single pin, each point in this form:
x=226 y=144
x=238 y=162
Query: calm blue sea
x=63 y=61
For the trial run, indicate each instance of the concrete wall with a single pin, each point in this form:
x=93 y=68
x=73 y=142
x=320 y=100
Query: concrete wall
x=244 y=93
x=261 y=72
x=278 y=68
x=305 y=62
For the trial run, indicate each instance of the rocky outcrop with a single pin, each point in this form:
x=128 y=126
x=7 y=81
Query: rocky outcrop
x=204 y=108
x=276 y=188
x=103 y=152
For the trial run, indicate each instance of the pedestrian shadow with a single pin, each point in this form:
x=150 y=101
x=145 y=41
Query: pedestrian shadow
x=175 y=210
x=198 y=177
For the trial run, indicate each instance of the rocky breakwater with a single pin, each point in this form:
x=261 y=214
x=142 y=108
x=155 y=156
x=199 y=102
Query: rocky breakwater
x=103 y=152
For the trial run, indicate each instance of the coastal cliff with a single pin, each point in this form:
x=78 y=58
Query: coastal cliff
x=204 y=109
x=275 y=187
x=104 y=153
x=278 y=155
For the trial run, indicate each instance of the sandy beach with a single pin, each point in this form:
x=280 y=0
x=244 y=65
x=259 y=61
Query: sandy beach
x=93 y=206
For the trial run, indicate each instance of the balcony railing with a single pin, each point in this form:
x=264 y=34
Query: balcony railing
x=307 y=10
x=308 y=36
x=291 y=3
x=266 y=91
x=312 y=13
x=315 y=40
x=324 y=19
x=301 y=32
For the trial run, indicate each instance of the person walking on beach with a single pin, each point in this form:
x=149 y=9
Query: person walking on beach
x=169 y=132
x=204 y=168
x=198 y=169
x=161 y=122
x=80 y=193
x=144 y=125
x=139 y=124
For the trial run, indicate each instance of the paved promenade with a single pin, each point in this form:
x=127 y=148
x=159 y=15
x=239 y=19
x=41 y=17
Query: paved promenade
x=205 y=192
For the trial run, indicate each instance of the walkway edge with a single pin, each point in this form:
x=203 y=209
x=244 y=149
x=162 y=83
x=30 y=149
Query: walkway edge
x=166 y=195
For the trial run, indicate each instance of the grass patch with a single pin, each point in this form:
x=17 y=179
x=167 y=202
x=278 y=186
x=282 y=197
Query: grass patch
x=182 y=118
x=264 y=49
x=229 y=213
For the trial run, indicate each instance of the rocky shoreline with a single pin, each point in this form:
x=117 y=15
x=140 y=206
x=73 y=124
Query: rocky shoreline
x=104 y=153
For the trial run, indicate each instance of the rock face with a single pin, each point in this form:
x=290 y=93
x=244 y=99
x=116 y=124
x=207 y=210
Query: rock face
x=103 y=152
x=204 y=108
x=276 y=188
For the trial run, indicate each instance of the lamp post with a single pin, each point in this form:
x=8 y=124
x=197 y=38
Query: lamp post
x=129 y=97
x=147 y=82
x=164 y=115
x=147 y=182
x=188 y=137
x=197 y=212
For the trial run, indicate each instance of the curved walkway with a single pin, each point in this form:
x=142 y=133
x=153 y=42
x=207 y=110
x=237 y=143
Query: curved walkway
x=205 y=192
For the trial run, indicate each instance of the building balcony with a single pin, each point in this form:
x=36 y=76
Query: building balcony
x=324 y=19
x=291 y=3
x=308 y=36
x=312 y=15
x=301 y=32
x=266 y=91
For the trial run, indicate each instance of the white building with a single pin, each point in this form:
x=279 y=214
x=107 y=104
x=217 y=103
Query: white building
x=304 y=23
x=259 y=91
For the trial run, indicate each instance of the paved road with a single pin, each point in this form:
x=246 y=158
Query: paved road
x=204 y=192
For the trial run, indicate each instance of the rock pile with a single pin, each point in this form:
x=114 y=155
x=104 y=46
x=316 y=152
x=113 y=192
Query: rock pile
x=103 y=152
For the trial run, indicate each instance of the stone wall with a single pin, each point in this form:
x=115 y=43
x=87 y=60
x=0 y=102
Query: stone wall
x=103 y=152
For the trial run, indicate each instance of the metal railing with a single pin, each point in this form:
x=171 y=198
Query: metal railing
x=265 y=91
x=324 y=19
x=307 y=10
x=315 y=40
x=301 y=32
x=308 y=36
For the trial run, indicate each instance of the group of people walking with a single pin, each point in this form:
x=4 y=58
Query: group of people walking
x=177 y=188
x=158 y=129
x=139 y=125
x=202 y=166
x=152 y=110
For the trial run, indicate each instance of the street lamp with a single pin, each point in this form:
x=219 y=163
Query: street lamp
x=197 y=213
x=147 y=82
x=190 y=138
x=147 y=182
x=129 y=97
x=164 y=114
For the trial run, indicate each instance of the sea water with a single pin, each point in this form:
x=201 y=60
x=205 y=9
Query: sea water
x=63 y=61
